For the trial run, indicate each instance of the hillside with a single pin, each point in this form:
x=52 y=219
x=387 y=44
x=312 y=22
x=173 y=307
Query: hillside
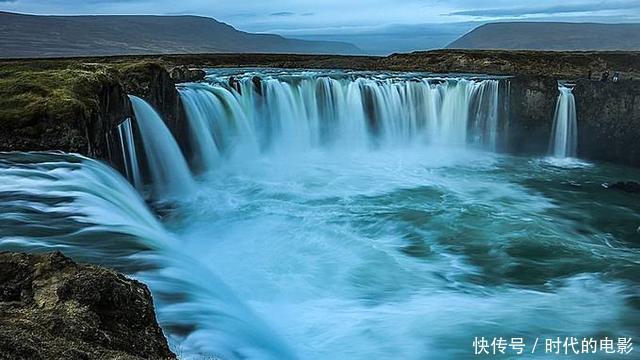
x=23 y=36
x=551 y=36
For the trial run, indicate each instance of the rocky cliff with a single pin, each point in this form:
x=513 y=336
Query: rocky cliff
x=609 y=120
x=157 y=85
x=53 y=308
x=531 y=106
x=71 y=109
x=608 y=116
x=74 y=105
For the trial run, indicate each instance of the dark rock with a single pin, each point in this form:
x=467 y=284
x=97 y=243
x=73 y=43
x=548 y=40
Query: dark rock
x=152 y=82
x=53 y=308
x=235 y=84
x=608 y=120
x=556 y=64
x=69 y=109
x=626 y=186
x=531 y=106
x=257 y=84
x=608 y=116
x=182 y=74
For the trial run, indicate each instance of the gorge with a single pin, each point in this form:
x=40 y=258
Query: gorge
x=290 y=212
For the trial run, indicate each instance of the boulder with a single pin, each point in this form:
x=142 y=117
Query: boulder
x=182 y=74
x=53 y=308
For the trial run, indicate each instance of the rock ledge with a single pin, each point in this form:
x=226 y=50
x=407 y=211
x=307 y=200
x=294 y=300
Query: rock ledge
x=53 y=308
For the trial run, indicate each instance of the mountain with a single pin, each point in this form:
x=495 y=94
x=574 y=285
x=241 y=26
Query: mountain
x=551 y=36
x=63 y=36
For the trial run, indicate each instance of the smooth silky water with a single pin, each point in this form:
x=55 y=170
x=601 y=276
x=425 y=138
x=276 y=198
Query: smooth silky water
x=295 y=242
x=564 y=137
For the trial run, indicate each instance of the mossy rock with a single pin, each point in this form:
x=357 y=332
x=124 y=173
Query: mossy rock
x=58 y=95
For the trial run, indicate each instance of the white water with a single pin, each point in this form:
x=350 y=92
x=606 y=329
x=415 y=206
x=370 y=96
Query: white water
x=317 y=235
x=129 y=154
x=170 y=173
x=564 y=138
x=407 y=254
x=311 y=110
x=99 y=218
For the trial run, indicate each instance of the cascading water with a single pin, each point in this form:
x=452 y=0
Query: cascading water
x=485 y=116
x=340 y=216
x=128 y=148
x=52 y=201
x=311 y=110
x=216 y=123
x=564 y=138
x=170 y=173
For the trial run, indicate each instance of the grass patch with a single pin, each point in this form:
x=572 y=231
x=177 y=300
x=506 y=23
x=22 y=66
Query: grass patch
x=62 y=91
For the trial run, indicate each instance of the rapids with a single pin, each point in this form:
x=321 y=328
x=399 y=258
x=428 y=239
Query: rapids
x=341 y=216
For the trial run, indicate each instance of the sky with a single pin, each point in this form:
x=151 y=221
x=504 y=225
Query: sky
x=378 y=26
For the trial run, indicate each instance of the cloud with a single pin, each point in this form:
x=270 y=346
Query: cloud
x=290 y=13
x=547 y=10
x=282 y=13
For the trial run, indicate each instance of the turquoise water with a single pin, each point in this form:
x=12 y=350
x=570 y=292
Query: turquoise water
x=411 y=253
x=405 y=253
x=342 y=215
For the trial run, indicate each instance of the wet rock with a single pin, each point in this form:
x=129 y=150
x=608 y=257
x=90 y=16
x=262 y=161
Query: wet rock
x=53 y=308
x=257 y=84
x=152 y=82
x=182 y=74
x=235 y=84
x=531 y=106
x=626 y=186
x=609 y=120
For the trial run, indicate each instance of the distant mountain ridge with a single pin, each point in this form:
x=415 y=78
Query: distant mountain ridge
x=551 y=36
x=24 y=36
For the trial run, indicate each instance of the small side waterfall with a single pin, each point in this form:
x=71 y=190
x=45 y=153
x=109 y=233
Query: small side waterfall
x=295 y=112
x=564 y=138
x=128 y=147
x=170 y=173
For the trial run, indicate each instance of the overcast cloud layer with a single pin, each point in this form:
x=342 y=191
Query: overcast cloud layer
x=368 y=23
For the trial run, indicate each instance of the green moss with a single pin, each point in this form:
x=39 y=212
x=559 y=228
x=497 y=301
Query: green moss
x=31 y=92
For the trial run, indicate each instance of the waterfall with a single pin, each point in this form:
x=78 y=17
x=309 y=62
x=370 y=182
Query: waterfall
x=128 y=147
x=293 y=112
x=170 y=173
x=216 y=123
x=564 y=138
x=485 y=125
x=201 y=108
x=99 y=218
